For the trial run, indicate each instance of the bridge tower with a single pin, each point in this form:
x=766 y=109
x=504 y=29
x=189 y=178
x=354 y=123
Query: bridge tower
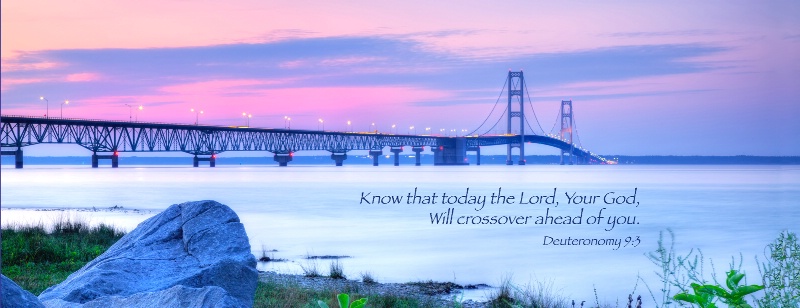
x=516 y=88
x=566 y=129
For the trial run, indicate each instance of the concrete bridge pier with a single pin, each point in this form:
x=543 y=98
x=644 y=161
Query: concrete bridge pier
x=339 y=158
x=283 y=159
x=450 y=152
x=212 y=160
x=396 y=151
x=417 y=151
x=114 y=157
x=570 y=162
x=17 y=157
x=477 y=151
x=375 y=155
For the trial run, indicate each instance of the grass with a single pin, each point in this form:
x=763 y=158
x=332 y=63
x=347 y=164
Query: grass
x=337 y=271
x=38 y=256
x=539 y=295
x=367 y=278
x=275 y=295
x=310 y=269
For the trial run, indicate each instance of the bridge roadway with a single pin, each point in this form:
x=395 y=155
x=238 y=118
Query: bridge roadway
x=107 y=138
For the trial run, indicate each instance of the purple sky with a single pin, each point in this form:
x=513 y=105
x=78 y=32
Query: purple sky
x=663 y=78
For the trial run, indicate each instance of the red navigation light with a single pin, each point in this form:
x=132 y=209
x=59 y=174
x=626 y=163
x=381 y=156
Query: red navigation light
x=214 y=156
x=116 y=153
x=291 y=154
x=441 y=147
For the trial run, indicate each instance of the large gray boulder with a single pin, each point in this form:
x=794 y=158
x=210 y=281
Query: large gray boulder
x=194 y=254
x=14 y=296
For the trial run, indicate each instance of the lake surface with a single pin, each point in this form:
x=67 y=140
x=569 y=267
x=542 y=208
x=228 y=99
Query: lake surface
x=318 y=210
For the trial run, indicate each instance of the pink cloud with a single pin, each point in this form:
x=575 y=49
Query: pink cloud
x=223 y=102
x=7 y=83
x=82 y=77
x=349 y=61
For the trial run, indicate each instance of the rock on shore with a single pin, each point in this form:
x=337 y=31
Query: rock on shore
x=14 y=296
x=194 y=254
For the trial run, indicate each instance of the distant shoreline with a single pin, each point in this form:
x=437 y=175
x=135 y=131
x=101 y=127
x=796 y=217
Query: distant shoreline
x=426 y=160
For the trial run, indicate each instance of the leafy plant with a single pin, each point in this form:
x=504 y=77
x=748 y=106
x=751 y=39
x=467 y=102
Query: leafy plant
x=781 y=273
x=676 y=271
x=344 y=302
x=704 y=295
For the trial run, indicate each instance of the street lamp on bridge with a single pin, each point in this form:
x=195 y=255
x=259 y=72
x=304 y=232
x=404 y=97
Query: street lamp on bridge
x=66 y=102
x=247 y=117
x=349 y=129
x=321 y=122
x=47 y=111
x=197 y=114
x=130 y=113
x=141 y=108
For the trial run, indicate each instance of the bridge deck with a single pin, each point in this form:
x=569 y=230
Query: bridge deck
x=126 y=136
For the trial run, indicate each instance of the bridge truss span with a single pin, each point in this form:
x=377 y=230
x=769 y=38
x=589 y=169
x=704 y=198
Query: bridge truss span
x=113 y=136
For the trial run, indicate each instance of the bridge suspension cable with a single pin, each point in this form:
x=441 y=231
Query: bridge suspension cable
x=498 y=121
x=532 y=110
x=503 y=90
x=553 y=130
x=577 y=136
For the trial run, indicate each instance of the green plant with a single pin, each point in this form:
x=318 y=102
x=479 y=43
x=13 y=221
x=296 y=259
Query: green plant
x=37 y=256
x=676 y=271
x=310 y=269
x=337 y=271
x=367 y=278
x=781 y=273
x=344 y=302
x=704 y=295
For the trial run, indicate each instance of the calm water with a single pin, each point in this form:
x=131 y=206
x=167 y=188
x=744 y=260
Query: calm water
x=316 y=210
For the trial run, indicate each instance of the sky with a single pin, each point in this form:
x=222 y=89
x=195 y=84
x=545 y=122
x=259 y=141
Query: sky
x=645 y=77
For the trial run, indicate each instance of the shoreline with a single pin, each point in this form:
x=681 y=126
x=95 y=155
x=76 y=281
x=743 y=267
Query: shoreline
x=439 y=293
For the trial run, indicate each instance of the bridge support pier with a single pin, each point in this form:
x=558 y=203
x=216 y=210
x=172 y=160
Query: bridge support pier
x=477 y=151
x=450 y=152
x=114 y=157
x=338 y=158
x=212 y=160
x=375 y=155
x=283 y=159
x=567 y=153
x=396 y=151
x=17 y=157
x=417 y=151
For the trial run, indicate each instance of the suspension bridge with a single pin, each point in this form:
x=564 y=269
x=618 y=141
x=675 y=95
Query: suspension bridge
x=106 y=139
